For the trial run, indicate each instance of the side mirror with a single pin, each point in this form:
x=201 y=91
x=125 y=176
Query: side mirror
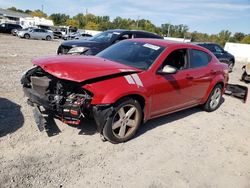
x=167 y=69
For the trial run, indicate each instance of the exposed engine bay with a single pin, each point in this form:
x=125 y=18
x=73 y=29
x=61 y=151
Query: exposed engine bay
x=65 y=100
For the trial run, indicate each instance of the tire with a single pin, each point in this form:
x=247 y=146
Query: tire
x=230 y=66
x=27 y=36
x=13 y=32
x=214 y=100
x=124 y=121
x=244 y=77
x=48 y=38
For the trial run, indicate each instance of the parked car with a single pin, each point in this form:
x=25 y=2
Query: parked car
x=76 y=35
x=8 y=27
x=16 y=31
x=57 y=34
x=126 y=84
x=220 y=53
x=101 y=41
x=36 y=34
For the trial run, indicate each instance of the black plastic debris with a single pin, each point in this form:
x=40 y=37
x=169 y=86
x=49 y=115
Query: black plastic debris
x=237 y=91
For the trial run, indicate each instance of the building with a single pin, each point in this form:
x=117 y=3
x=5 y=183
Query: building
x=25 y=20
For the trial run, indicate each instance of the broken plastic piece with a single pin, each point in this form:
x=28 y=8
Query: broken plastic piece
x=237 y=91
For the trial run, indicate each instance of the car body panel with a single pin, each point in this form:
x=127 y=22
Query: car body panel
x=36 y=33
x=96 y=47
x=110 y=81
x=81 y=68
x=7 y=27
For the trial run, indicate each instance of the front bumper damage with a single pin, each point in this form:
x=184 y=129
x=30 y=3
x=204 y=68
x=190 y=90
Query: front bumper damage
x=60 y=99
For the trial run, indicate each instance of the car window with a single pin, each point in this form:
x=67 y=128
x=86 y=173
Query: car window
x=106 y=36
x=137 y=54
x=36 y=30
x=199 y=58
x=123 y=37
x=218 y=49
x=140 y=35
x=177 y=58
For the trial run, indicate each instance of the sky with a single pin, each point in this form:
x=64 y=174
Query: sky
x=199 y=15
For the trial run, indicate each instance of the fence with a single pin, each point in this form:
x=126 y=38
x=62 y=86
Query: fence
x=241 y=52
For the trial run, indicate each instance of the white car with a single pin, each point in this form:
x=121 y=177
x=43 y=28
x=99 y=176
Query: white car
x=36 y=34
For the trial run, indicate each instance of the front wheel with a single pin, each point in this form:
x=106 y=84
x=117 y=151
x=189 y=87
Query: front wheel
x=124 y=122
x=27 y=36
x=214 y=99
x=48 y=38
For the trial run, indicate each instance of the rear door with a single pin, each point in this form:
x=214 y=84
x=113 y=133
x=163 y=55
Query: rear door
x=34 y=33
x=200 y=73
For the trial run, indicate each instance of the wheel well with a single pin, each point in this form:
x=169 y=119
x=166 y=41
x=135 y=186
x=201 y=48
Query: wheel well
x=232 y=60
x=137 y=97
x=220 y=83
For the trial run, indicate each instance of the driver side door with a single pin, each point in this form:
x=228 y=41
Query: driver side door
x=172 y=91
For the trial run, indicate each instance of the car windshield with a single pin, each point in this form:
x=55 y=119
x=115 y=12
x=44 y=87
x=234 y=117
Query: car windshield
x=104 y=36
x=135 y=54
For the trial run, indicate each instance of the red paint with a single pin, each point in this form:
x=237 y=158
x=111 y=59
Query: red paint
x=162 y=93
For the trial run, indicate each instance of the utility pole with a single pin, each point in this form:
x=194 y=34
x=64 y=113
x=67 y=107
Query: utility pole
x=86 y=16
x=137 y=22
x=42 y=8
x=168 y=29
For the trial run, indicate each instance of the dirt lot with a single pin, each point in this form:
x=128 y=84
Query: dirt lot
x=191 y=148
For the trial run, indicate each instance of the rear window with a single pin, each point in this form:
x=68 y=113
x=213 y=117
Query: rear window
x=199 y=58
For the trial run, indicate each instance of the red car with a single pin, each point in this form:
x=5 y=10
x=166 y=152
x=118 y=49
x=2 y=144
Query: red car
x=126 y=84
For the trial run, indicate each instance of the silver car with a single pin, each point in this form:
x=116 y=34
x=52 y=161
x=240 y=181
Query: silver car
x=36 y=34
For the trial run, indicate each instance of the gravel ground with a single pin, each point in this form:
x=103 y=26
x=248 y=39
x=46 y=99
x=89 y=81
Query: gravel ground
x=191 y=148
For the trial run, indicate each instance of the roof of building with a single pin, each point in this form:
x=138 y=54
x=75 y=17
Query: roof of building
x=10 y=13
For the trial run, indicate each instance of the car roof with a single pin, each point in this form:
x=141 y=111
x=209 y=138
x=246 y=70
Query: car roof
x=198 y=43
x=163 y=42
x=136 y=31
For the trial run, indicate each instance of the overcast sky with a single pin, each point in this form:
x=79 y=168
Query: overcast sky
x=200 y=15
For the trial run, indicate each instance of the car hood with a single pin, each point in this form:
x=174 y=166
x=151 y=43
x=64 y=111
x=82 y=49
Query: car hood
x=82 y=68
x=83 y=43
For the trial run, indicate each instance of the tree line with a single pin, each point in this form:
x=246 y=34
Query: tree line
x=102 y=23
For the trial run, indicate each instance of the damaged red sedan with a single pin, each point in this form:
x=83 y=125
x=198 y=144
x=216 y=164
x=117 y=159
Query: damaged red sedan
x=126 y=84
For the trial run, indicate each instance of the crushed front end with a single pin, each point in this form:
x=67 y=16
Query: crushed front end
x=62 y=99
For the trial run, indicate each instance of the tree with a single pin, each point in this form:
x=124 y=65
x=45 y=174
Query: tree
x=91 y=25
x=72 y=22
x=59 y=19
x=237 y=37
x=14 y=9
x=223 y=37
x=38 y=13
x=246 y=40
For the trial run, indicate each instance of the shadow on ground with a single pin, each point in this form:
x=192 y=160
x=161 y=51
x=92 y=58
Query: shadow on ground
x=167 y=119
x=11 y=117
x=86 y=127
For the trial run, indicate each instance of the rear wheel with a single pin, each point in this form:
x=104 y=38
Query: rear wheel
x=27 y=36
x=124 y=122
x=214 y=99
x=13 y=31
x=48 y=37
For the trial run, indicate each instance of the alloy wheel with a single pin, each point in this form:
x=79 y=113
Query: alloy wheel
x=125 y=121
x=215 y=98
